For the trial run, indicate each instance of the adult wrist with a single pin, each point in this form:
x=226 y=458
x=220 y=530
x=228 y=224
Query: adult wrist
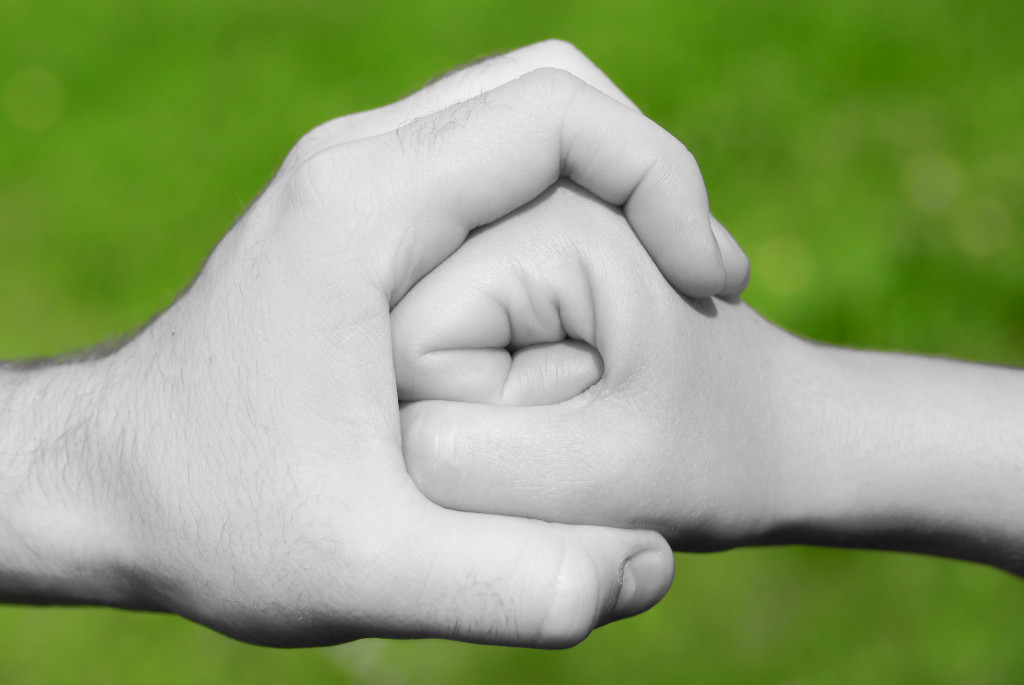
x=63 y=433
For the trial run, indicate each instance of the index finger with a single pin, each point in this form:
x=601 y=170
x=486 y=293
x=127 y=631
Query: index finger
x=476 y=161
x=457 y=85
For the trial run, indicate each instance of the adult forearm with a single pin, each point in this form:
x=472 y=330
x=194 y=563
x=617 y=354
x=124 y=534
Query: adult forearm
x=893 y=451
x=58 y=427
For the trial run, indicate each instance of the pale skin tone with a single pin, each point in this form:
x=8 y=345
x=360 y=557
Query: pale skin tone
x=239 y=461
x=695 y=418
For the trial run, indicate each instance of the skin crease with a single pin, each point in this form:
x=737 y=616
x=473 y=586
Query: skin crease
x=564 y=278
x=239 y=461
x=483 y=75
x=702 y=421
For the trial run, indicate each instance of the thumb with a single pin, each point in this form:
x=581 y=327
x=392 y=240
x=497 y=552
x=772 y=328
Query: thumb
x=573 y=462
x=510 y=581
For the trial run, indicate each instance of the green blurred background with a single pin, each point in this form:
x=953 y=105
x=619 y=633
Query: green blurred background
x=867 y=154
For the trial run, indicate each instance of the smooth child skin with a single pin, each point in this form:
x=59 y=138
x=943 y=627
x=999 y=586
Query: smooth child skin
x=551 y=372
x=622 y=402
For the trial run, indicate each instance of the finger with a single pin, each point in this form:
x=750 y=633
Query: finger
x=493 y=71
x=511 y=317
x=509 y=581
x=460 y=84
x=546 y=373
x=575 y=462
x=566 y=263
x=473 y=163
x=737 y=265
x=484 y=327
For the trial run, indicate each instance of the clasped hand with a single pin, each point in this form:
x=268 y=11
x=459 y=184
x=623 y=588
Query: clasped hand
x=247 y=470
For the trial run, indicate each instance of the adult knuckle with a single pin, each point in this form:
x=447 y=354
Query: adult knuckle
x=551 y=79
x=574 y=604
x=314 y=177
x=308 y=145
x=562 y=53
x=548 y=90
x=495 y=70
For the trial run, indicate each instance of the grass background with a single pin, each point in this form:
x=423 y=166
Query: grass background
x=869 y=155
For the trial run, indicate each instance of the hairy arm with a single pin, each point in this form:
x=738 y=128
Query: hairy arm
x=58 y=430
x=239 y=461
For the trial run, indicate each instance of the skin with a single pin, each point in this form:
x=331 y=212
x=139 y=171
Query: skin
x=239 y=461
x=550 y=371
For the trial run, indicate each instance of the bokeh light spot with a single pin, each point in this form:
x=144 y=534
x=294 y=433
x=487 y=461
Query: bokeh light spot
x=982 y=228
x=932 y=182
x=33 y=99
x=784 y=265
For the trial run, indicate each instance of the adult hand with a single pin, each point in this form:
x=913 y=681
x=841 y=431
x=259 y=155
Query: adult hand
x=683 y=241
x=239 y=462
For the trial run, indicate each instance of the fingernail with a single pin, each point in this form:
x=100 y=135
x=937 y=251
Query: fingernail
x=645 y=579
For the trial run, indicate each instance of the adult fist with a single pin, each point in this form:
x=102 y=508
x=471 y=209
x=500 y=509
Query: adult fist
x=240 y=460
